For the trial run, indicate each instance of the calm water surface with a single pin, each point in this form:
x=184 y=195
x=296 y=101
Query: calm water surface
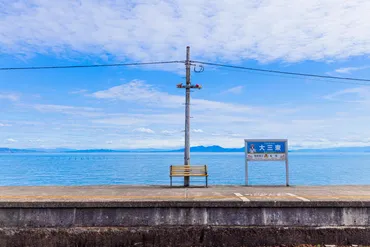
x=153 y=168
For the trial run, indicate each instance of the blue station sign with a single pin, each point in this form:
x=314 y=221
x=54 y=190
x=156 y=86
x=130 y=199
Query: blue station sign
x=266 y=150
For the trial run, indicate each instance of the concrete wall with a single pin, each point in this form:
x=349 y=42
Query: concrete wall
x=183 y=224
x=182 y=236
x=183 y=216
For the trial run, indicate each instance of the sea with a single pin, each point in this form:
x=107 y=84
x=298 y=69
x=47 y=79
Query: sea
x=34 y=169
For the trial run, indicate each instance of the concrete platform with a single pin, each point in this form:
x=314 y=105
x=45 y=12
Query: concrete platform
x=181 y=194
x=196 y=216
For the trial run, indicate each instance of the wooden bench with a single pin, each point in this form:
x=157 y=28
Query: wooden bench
x=189 y=171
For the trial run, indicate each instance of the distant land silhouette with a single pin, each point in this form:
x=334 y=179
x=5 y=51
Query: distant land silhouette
x=210 y=149
x=213 y=148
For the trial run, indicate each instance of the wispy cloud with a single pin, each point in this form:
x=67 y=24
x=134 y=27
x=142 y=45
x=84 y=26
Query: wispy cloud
x=144 y=130
x=219 y=30
x=145 y=94
x=235 y=90
x=5 y=125
x=65 y=109
x=80 y=91
x=349 y=70
x=139 y=91
x=197 y=131
x=11 y=140
x=170 y=132
x=9 y=96
x=35 y=140
x=350 y=95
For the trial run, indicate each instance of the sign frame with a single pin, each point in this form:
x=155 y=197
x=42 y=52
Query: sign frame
x=246 y=141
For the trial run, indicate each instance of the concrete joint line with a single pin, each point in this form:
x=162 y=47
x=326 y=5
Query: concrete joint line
x=243 y=198
x=298 y=197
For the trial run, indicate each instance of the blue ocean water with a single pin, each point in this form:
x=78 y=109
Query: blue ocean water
x=153 y=169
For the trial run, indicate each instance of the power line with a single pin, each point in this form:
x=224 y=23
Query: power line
x=284 y=72
x=90 y=66
x=263 y=71
x=313 y=79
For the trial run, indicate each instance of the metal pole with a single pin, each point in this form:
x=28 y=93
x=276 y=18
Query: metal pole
x=187 y=116
x=246 y=163
x=286 y=163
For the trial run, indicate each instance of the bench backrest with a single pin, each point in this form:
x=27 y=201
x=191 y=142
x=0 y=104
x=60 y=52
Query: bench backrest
x=188 y=170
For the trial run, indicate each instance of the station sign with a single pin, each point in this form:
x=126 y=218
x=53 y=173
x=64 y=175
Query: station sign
x=266 y=150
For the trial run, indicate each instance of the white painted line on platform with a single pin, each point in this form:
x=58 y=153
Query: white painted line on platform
x=298 y=197
x=244 y=199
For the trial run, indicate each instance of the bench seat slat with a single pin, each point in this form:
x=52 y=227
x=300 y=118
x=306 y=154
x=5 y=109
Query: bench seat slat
x=182 y=175
x=187 y=174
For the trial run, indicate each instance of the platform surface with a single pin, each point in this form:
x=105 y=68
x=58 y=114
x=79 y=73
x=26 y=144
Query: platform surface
x=165 y=193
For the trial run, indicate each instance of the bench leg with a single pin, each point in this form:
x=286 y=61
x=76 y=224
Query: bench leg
x=171 y=181
x=207 y=181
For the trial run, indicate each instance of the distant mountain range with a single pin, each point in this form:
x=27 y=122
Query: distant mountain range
x=233 y=150
x=66 y=150
x=211 y=149
x=12 y=150
x=34 y=150
x=341 y=149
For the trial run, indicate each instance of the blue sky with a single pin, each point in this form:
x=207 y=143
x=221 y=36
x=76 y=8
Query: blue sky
x=140 y=107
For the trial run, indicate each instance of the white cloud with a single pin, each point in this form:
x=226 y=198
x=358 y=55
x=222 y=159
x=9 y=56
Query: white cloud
x=292 y=30
x=9 y=96
x=11 y=140
x=226 y=134
x=152 y=143
x=143 y=93
x=170 y=132
x=176 y=119
x=197 y=131
x=65 y=109
x=235 y=90
x=35 y=140
x=139 y=91
x=80 y=91
x=144 y=130
x=351 y=95
x=126 y=120
x=348 y=70
x=5 y=125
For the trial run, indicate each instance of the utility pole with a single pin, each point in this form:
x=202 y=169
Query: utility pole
x=187 y=116
x=188 y=86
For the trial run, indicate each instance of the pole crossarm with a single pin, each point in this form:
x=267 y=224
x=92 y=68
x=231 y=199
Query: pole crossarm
x=197 y=86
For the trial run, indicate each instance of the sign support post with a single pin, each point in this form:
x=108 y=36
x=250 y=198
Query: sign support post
x=286 y=163
x=266 y=150
x=246 y=165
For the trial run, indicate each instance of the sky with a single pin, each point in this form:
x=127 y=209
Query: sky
x=140 y=106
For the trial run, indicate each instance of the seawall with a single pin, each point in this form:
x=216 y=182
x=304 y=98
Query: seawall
x=157 y=216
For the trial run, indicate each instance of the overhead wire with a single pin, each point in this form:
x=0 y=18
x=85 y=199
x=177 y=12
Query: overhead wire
x=284 y=72
x=312 y=79
x=90 y=66
x=328 y=78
